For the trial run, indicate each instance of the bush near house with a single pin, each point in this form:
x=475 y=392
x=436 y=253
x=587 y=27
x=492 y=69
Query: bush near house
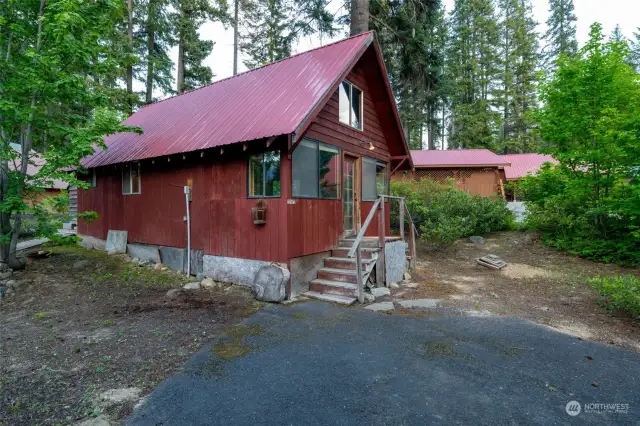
x=444 y=214
x=622 y=293
x=589 y=203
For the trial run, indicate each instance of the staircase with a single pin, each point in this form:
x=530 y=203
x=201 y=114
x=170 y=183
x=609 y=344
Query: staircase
x=337 y=281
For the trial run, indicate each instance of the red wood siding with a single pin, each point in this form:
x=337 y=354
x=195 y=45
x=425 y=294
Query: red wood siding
x=221 y=222
x=316 y=225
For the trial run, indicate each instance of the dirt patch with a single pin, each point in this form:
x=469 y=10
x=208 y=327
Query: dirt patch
x=539 y=284
x=88 y=344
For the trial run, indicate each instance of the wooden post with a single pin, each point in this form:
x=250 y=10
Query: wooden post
x=401 y=208
x=412 y=246
x=381 y=272
x=359 y=273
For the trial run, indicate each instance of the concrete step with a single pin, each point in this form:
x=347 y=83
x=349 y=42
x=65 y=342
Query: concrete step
x=334 y=274
x=368 y=242
x=334 y=298
x=333 y=287
x=345 y=263
x=365 y=253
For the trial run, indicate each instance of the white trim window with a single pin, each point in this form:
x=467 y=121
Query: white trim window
x=351 y=105
x=131 y=182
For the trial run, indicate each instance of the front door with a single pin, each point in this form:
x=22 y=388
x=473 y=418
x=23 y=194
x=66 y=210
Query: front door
x=350 y=196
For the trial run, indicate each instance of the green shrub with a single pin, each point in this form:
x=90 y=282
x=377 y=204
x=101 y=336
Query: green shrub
x=622 y=293
x=444 y=214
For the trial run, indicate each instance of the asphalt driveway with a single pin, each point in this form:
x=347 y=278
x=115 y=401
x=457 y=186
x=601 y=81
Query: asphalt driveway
x=317 y=364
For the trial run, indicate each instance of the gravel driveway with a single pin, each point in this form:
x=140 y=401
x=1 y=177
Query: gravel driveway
x=317 y=364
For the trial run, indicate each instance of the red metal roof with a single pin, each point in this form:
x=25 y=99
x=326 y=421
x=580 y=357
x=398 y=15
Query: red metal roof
x=457 y=158
x=524 y=164
x=268 y=101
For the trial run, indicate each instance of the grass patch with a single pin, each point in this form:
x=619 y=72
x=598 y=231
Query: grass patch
x=234 y=345
x=41 y=315
x=620 y=293
x=443 y=350
x=299 y=315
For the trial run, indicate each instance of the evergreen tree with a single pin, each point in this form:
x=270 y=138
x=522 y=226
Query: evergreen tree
x=412 y=36
x=560 y=37
x=269 y=34
x=192 y=51
x=617 y=36
x=474 y=67
x=635 y=51
x=153 y=37
x=358 y=16
x=272 y=26
x=519 y=46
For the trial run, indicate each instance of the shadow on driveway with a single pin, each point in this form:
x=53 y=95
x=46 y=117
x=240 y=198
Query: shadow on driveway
x=318 y=364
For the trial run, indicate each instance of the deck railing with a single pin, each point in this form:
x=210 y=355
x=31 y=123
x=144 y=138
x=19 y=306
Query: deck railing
x=355 y=249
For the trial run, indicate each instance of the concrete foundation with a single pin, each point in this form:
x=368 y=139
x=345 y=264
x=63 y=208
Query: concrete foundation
x=116 y=242
x=233 y=270
x=196 y=261
x=304 y=269
x=395 y=258
x=94 y=243
x=174 y=258
x=144 y=252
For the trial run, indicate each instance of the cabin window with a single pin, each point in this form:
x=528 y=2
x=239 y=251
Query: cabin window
x=94 y=178
x=375 y=180
x=350 y=104
x=316 y=170
x=131 y=179
x=264 y=174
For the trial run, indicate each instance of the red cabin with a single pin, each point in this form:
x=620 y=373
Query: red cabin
x=282 y=163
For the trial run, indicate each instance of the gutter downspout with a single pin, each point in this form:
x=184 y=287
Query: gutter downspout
x=186 y=196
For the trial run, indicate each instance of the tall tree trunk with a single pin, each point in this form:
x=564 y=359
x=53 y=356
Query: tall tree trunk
x=236 y=10
x=26 y=143
x=130 y=46
x=180 y=87
x=359 y=16
x=150 y=53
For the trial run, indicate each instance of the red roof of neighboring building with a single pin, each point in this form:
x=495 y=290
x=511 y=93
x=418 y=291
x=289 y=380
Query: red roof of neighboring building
x=524 y=164
x=457 y=158
x=273 y=100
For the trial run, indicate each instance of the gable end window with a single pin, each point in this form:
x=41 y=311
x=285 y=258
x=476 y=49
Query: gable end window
x=350 y=104
x=264 y=175
x=131 y=183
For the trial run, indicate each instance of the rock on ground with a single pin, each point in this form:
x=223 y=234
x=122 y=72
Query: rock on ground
x=380 y=291
x=476 y=239
x=394 y=285
x=80 y=264
x=419 y=303
x=407 y=276
x=368 y=297
x=380 y=307
x=173 y=293
x=192 y=286
x=208 y=283
x=270 y=284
